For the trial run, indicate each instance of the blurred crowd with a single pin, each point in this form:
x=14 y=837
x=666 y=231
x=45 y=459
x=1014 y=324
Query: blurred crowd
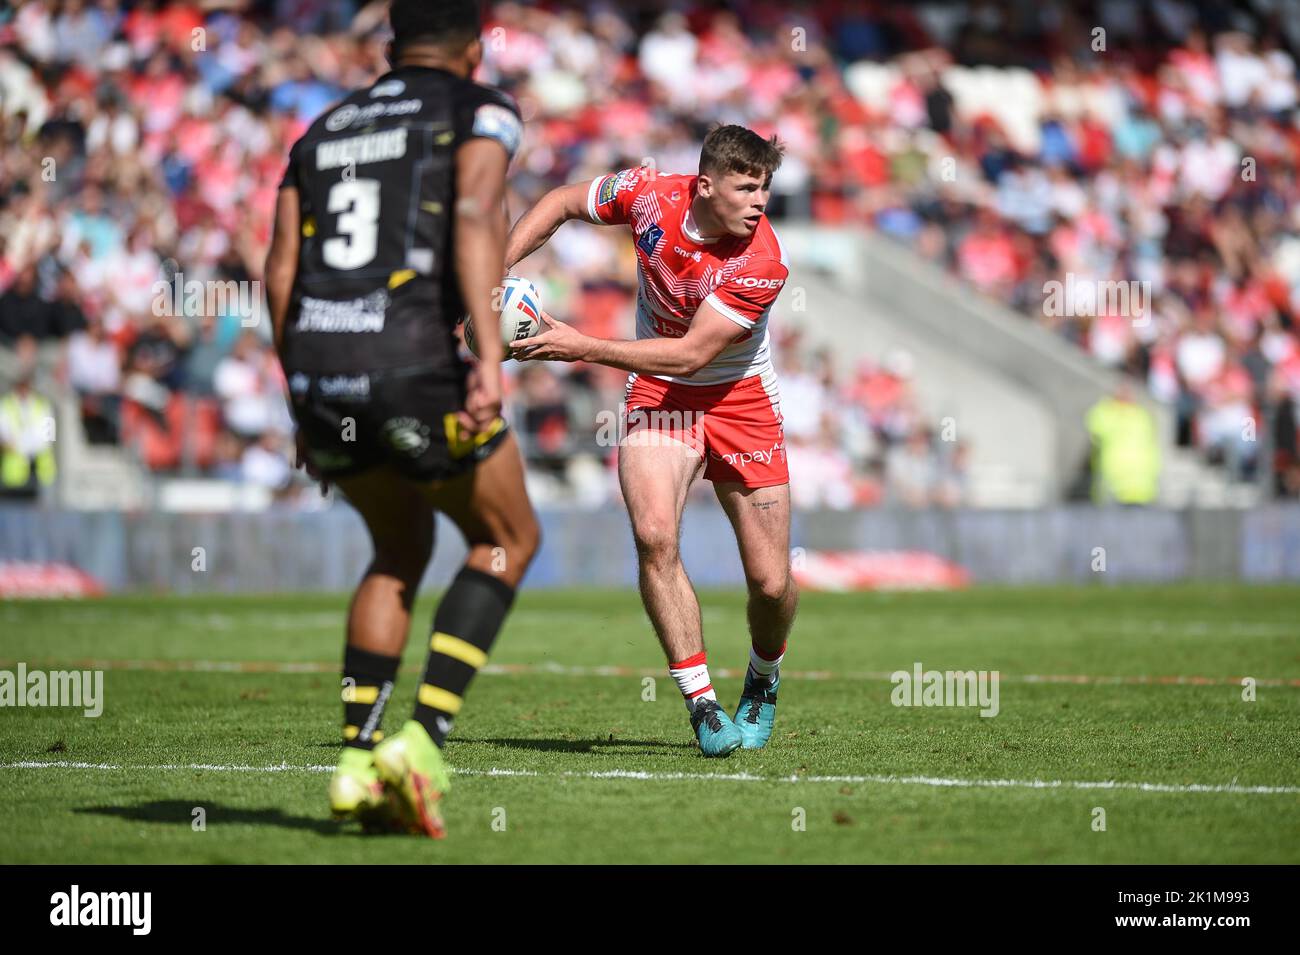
x=1138 y=195
x=141 y=145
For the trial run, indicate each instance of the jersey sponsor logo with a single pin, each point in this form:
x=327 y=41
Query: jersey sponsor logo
x=694 y=256
x=409 y=436
x=667 y=328
x=741 y=458
x=350 y=114
x=364 y=314
x=649 y=239
x=750 y=281
x=344 y=386
x=299 y=383
x=372 y=147
x=497 y=122
x=388 y=88
x=342 y=117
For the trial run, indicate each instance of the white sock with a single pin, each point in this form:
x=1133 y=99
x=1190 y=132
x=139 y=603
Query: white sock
x=763 y=668
x=692 y=676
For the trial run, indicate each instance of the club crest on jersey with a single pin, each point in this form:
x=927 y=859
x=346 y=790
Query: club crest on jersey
x=649 y=240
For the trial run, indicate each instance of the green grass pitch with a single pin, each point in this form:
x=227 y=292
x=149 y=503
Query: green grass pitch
x=230 y=704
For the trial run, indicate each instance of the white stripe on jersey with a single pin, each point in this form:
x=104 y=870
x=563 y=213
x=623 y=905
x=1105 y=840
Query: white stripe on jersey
x=591 y=198
x=727 y=310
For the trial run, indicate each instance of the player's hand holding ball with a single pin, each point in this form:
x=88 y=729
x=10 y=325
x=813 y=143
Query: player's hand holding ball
x=557 y=342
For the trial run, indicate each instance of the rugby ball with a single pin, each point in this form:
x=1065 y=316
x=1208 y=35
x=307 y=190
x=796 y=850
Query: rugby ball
x=519 y=309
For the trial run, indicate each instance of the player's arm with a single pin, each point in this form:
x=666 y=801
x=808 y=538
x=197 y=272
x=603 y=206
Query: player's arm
x=536 y=226
x=480 y=234
x=479 y=231
x=282 y=261
x=709 y=333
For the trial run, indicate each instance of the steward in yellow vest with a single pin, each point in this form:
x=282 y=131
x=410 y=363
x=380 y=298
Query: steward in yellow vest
x=26 y=441
x=1125 y=450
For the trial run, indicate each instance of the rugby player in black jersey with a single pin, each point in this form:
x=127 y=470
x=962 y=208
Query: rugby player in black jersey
x=390 y=226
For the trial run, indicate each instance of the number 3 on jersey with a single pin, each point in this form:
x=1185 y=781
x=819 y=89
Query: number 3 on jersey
x=358 y=225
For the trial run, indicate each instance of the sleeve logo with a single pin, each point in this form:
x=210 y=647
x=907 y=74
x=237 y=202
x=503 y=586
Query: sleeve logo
x=615 y=183
x=388 y=88
x=496 y=122
x=608 y=189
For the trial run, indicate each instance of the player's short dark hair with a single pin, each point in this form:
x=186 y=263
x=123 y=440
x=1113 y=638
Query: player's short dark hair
x=452 y=23
x=730 y=149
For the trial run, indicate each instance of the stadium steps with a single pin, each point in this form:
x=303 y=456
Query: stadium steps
x=1017 y=392
x=1186 y=481
x=94 y=477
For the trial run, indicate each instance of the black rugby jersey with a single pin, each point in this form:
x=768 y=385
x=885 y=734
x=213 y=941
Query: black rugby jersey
x=376 y=287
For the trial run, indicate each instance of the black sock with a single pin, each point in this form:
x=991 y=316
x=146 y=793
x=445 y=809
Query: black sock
x=464 y=628
x=368 y=682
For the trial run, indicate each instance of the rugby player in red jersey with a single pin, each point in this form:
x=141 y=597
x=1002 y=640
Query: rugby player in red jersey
x=701 y=397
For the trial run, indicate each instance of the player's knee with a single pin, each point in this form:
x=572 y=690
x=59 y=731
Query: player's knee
x=773 y=587
x=515 y=549
x=656 y=541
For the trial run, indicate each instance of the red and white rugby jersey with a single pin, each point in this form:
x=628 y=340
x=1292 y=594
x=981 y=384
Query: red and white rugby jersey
x=679 y=269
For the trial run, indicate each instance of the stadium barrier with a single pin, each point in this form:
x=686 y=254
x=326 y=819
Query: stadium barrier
x=283 y=551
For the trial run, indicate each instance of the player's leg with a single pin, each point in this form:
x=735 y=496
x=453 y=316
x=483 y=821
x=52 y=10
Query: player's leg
x=401 y=527
x=656 y=472
x=490 y=507
x=760 y=517
x=748 y=469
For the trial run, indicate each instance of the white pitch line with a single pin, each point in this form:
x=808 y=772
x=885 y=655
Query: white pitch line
x=617 y=670
x=642 y=776
x=209 y=767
